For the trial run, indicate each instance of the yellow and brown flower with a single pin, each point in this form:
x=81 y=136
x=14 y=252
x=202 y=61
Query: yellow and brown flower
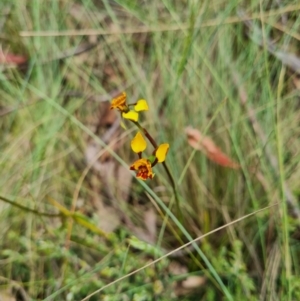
x=143 y=168
x=120 y=104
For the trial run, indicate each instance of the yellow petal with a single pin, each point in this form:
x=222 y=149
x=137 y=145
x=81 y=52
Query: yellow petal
x=131 y=115
x=138 y=143
x=161 y=152
x=141 y=105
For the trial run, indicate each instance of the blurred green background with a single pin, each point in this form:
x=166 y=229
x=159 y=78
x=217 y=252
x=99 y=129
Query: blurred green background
x=73 y=218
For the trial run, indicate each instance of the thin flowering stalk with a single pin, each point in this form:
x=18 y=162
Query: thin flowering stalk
x=143 y=166
x=147 y=135
x=152 y=141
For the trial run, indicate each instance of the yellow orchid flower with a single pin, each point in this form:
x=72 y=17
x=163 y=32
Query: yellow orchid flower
x=119 y=103
x=138 y=143
x=143 y=168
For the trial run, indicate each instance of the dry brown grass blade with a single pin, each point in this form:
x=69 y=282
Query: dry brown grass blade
x=161 y=28
x=285 y=30
x=272 y=273
x=209 y=148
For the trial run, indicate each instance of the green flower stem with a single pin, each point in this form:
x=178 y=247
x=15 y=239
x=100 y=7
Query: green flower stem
x=170 y=177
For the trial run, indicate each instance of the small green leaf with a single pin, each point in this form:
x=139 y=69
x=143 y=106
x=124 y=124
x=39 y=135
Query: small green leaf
x=151 y=158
